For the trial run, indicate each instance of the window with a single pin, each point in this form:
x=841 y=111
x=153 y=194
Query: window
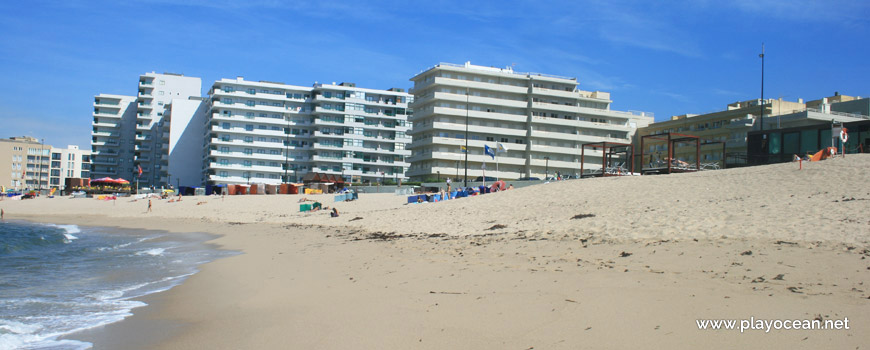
x=252 y=91
x=247 y=163
x=249 y=139
x=249 y=127
x=225 y=149
x=249 y=151
x=225 y=125
x=249 y=103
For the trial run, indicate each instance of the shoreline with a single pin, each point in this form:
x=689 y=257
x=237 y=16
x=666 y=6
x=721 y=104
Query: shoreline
x=482 y=278
x=765 y=242
x=141 y=329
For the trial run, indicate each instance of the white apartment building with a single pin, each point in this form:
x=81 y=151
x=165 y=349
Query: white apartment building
x=152 y=141
x=186 y=120
x=266 y=132
x=113 y=136
x=70 y=162
x=541 y=120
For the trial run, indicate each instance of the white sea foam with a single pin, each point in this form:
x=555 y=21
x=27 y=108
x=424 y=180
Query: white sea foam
x=152 y=252
x=69 y=231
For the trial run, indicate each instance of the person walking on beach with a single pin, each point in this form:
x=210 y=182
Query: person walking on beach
x=149 y=206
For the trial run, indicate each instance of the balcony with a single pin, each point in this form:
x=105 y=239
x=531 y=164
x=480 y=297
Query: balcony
x=142 y=147
x=104 y=134
x=107 y=114
x=104 y=124
x=143 y=137
x=144 y=158
x=143 y=127
x=146 y=83
x=101 y=161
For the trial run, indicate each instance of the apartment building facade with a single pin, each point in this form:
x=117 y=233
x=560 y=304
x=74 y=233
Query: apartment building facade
x=152 y=140
x=70 y=162
x=133 y=132
x=267 y=132
x=113 y=136
x=24 y=163
x=541 y=121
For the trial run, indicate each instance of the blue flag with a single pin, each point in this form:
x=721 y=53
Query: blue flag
x=488 y=151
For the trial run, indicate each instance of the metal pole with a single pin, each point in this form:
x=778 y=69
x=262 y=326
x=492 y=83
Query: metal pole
x=546 y=168
x=762 y=87
x=287 y=152
x=465 y=184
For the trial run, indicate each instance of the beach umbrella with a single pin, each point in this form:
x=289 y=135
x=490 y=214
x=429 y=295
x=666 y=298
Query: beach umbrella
x=121 y=181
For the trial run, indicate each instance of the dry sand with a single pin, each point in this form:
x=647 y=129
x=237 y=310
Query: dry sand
x=526 y=268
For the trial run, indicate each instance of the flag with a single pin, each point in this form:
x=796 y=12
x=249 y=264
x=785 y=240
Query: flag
x=139 y=167
x=500 y=148
x=463 y=149
x=488 y=151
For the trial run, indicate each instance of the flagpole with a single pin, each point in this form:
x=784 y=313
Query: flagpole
x=496 y=165
x=484 y=172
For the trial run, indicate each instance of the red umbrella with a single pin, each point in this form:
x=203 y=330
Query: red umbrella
x=121 y=181
x=105 y=179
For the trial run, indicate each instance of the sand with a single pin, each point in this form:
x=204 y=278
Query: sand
x=525 y=268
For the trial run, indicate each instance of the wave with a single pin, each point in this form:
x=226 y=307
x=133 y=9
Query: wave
x=152 y=252
x=69 y=231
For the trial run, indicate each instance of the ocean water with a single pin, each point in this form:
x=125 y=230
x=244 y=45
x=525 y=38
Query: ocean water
x=56 y=280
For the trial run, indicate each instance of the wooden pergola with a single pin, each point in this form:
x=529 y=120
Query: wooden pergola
x=607 y=156
x=671 y=138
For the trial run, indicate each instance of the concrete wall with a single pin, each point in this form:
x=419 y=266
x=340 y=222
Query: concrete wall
x=861 y=106
x=187 y=126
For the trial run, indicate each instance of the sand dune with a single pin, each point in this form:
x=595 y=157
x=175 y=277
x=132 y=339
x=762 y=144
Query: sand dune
x=603 y=263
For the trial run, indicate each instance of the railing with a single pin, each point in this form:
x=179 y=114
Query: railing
x=842 y=114
x=528 y=74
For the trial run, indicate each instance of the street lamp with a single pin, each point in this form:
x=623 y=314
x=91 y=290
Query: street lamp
x=761 y=120
x=546 y=168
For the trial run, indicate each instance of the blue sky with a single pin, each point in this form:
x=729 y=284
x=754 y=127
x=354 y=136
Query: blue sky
x=665 y=57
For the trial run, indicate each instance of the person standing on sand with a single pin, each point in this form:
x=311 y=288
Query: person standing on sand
x=2 y=214
x=149 y=206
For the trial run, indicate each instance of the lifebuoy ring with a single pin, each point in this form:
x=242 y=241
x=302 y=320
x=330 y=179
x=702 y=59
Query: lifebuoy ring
x=844 y=136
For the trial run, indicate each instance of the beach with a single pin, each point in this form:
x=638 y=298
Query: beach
x=613 y=262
